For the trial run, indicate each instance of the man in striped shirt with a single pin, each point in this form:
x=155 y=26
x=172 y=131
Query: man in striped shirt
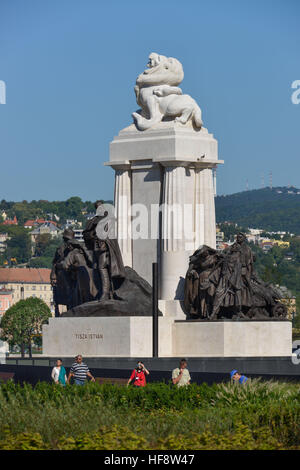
x=80 y=372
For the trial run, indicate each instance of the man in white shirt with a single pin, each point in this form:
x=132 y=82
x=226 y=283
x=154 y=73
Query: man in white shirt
x=181 y=375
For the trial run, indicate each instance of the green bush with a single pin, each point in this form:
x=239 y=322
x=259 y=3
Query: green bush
x=114 y=438
x=121 y=438
x=22 y=441
x=258 y=415
x=242 y=438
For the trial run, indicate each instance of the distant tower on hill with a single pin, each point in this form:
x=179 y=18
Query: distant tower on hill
x=271 y=180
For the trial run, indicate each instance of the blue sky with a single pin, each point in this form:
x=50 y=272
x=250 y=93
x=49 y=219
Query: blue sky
x=70 y=67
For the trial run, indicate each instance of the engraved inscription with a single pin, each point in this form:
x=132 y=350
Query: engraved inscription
x=88 y=336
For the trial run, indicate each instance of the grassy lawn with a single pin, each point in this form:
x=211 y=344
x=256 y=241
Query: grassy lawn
x=258 y=415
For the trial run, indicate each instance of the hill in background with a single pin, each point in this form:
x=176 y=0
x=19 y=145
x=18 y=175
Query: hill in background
x=276 y=209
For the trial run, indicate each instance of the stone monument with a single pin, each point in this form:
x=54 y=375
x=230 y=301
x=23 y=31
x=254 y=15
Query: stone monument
x=164 y=212
x=164 y=166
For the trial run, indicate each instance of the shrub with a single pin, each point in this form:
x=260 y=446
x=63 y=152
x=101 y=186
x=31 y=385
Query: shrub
x=22 y=441
x=242 y=438
x=121 y=438
x=257 y=415
x=114 y=438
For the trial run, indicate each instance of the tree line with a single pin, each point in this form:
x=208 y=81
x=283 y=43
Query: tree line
x=72 y=208
x=273 y=210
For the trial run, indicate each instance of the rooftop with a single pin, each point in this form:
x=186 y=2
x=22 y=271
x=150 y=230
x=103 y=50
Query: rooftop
x=47 y=225
x=31 y=223
x=26 y=275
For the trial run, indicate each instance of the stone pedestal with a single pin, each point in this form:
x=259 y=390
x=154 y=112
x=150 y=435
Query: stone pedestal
x=232 y=339
x=4 y=349
x=164 y=183
x=132 y=337
x=105 y=337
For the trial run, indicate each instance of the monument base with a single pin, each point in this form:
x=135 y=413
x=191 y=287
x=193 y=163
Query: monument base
x=105 y=336
x=232 y=338
x=132 y=337
x=172 y=309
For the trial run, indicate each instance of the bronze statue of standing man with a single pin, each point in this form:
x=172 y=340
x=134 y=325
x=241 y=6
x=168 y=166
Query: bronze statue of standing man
x=234 y=289
x=107 y=256
x=62 y=281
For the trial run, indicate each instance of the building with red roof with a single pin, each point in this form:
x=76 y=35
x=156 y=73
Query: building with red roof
x=35 y=223
x=27 y=282
x=13 y=221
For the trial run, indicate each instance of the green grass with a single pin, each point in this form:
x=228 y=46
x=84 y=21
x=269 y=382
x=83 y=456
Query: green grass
x=257 y=415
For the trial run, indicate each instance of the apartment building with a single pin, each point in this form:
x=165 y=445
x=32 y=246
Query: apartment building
x=5 y=300
x=27 y=282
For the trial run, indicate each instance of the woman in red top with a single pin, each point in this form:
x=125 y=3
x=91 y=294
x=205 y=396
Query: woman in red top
x=138 y=375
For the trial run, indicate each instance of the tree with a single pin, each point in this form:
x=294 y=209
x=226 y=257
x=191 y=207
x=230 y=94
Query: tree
x=73 y=206
x=18 y=244
x=272 y=275
x=41 y=262
x=52 y=246
x=45 y=251
x=41 y=243
x=22 y=321
x=295 y=248
x=296 y=319
x=231 y=230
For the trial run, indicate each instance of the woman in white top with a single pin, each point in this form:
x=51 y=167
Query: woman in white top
x=58 y=373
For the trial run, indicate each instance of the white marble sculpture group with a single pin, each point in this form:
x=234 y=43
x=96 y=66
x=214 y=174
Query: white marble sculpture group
x=158 y=95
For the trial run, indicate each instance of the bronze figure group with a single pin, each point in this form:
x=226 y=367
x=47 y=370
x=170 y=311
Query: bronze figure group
x=86 y=271
x=224 y=285
x=218 y=285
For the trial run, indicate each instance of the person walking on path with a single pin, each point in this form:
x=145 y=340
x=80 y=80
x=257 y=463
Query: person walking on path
x=80 y=371
x=58 y=373
x=138 y=375
x=181 y=375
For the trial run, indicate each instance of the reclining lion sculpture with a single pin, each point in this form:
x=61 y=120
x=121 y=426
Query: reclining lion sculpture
x=158 y=95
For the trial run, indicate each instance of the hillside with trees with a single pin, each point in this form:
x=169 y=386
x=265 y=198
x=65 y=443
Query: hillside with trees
x=276 y=209
x=60 y=211
x=18 y=244
x=19 y=249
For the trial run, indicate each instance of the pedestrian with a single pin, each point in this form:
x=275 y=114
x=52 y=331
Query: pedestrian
x=79 y=371
x=237 y=377
x=181 y=375
x=138 y=375
x=58 y=373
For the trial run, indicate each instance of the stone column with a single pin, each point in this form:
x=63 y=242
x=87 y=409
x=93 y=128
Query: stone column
x=173 y=206
x=186 y=158
x=123 y=213
x=188 y=221
x=205 y=220
x=174 y=259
